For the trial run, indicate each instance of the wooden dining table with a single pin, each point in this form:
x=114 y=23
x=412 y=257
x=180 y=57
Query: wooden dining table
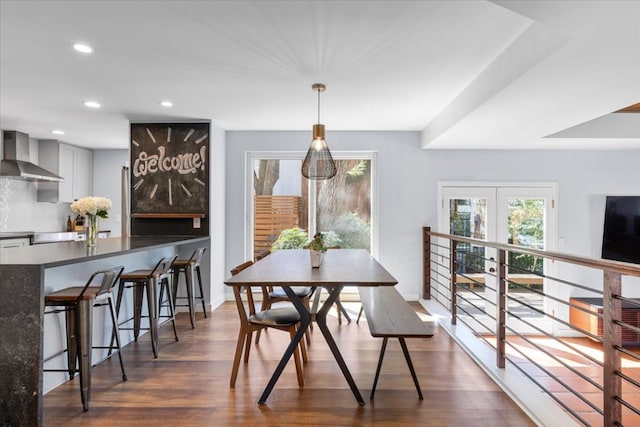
x=339 y=268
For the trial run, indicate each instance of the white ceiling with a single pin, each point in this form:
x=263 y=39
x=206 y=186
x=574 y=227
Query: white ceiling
x=468 y=74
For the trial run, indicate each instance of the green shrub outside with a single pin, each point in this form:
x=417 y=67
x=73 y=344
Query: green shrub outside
x=353 y=231
x=291 y=238
x=348 y=232
x=331 y=239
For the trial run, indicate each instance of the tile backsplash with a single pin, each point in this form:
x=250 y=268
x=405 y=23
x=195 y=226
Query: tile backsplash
x=20 y=210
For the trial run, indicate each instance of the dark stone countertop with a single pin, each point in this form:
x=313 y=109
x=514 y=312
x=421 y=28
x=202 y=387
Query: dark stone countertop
x=66 y=253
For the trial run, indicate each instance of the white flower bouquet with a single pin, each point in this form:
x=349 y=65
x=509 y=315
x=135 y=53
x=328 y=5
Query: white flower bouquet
x=92 y=206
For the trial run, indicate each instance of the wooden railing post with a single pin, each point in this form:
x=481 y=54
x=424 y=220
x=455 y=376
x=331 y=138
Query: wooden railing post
x=453 y=265
x=612 y=338
x=426 y=263
x=501 y=323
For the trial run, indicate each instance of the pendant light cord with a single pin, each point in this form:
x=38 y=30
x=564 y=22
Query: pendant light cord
x=318 y=106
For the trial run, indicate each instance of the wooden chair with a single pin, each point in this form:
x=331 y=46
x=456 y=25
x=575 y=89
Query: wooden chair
x=271 y=295
x=283 y=318
x=342 y=311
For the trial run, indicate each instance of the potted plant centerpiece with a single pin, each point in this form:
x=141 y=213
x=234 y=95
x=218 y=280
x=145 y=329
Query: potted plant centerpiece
x=317 y=249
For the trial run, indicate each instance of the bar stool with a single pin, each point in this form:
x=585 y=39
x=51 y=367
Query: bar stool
x=78 y=303
x=141 y=280
x=188 y=267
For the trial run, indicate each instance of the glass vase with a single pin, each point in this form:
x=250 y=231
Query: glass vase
x=91 y=230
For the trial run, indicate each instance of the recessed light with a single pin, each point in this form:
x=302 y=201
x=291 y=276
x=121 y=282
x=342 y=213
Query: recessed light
x=57 y=132
x=92 y=104
x=80 y=47
x=166 y=104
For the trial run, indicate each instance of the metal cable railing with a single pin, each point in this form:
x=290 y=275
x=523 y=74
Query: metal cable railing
x=569 y=329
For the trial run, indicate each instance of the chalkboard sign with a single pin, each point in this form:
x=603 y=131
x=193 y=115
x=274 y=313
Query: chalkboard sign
x=170 y=168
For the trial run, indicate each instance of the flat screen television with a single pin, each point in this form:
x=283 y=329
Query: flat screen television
x=621 y=235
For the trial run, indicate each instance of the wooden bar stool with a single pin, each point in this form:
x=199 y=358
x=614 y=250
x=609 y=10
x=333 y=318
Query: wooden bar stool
x=78 y=303
x=147 y=280
x=189 y=267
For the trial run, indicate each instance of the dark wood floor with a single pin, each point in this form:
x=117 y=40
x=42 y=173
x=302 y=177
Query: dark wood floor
x=188 y=385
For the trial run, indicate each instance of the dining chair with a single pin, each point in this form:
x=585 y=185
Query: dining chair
x=340 y=309
x=281 y=318
x=272 y=295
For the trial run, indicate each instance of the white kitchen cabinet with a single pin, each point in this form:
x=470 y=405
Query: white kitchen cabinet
x=14 y=243
x=74 y=164
x=83 y=177
x=66 y=163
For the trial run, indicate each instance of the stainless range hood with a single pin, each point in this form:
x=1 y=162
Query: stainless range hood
x=16 y=164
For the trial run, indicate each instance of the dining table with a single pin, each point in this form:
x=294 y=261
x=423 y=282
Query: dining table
x=292 y=267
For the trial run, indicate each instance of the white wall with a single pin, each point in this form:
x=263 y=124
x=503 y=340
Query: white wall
x=217 y=223
x=408 y=178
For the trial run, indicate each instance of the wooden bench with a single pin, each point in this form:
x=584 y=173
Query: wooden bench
x=389 y=315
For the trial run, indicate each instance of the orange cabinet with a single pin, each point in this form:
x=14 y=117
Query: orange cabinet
x=593 y=324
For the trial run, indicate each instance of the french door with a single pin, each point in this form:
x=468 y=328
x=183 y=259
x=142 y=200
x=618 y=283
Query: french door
x=521 y=215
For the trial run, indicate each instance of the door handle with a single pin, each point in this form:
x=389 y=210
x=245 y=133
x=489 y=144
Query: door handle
x=492 y=270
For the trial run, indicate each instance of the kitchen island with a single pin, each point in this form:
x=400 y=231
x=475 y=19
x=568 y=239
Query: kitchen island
x=27 y=274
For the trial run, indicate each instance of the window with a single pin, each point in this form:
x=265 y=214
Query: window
x=286 y=208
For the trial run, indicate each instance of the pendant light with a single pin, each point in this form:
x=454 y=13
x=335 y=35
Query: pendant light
x=319 y=163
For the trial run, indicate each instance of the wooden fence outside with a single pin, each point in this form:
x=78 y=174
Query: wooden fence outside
x=272 y=215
